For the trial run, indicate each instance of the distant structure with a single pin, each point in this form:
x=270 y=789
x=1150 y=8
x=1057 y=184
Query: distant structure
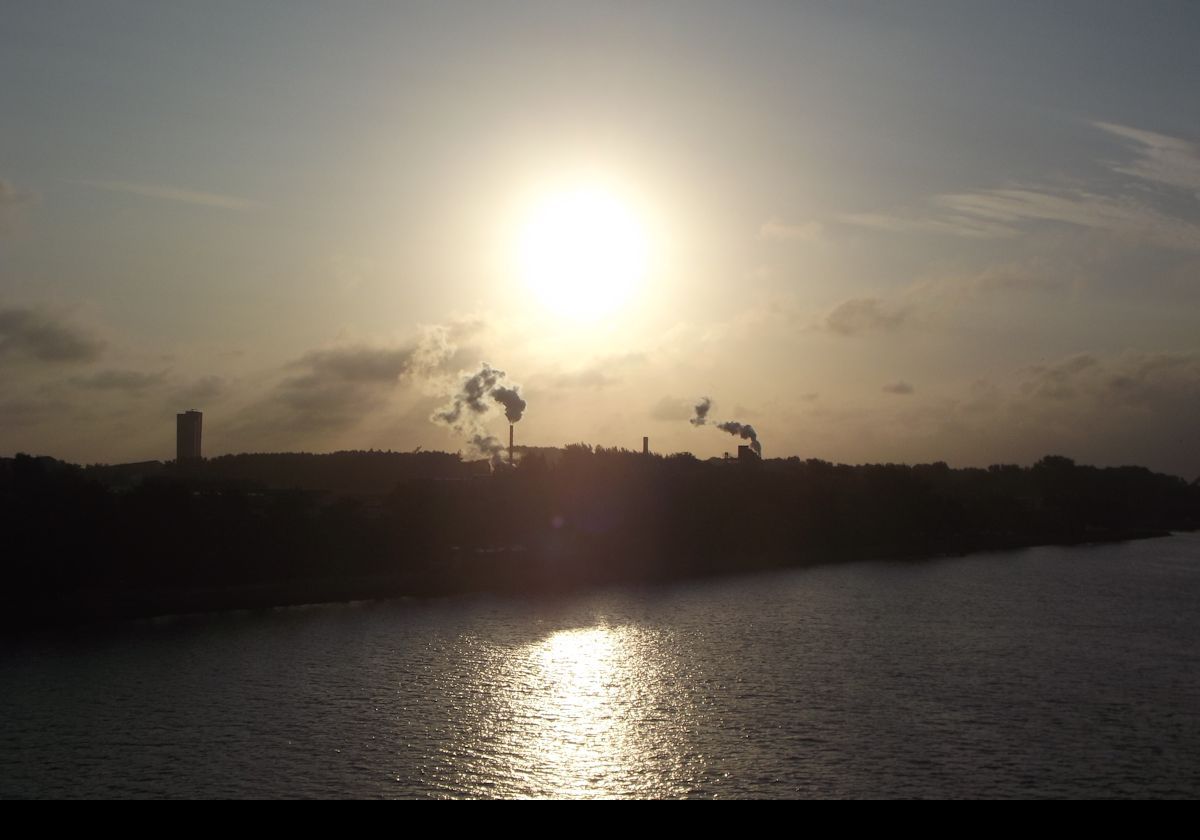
x=187 y=435
x=747 y=453
x=645 y=445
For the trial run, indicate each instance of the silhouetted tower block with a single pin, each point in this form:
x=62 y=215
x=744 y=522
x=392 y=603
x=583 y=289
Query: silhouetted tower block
x=645 y=445
x=187 y=435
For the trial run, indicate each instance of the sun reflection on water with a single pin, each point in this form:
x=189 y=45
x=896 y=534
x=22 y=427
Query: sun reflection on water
x=583 y=713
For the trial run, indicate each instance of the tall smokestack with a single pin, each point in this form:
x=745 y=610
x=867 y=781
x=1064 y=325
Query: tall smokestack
x=645 y=445
x=510 y=444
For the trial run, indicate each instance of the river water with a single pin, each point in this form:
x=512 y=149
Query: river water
x=1060 y=672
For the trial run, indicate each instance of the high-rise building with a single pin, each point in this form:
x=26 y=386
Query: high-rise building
x=187 y=435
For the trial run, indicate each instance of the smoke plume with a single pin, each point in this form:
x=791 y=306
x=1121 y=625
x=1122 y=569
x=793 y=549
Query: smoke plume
x=744 y=431
x=488 y=446
x=467 y=410
x=510 y=398
x=702 y=408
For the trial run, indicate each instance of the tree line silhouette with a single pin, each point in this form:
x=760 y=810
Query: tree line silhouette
x=267 y=529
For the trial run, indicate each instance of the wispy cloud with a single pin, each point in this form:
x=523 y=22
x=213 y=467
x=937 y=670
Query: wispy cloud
x=130 y=381
x=167 y=192
x=10 y=196
x=1141 y=211
x=913 y=221
x=1119 y=214
x=1163 y=159
x=795 y=231
x=863 y=315
x=12 y=200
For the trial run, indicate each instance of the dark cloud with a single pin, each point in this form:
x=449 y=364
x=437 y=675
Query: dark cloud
x=1057 y=381
x=859 y=315
x=122 y=380
x=315 y=405
x=1135 y=407
x=356 y=364
x=1144 y=381
x=335 y=388
x=26 y=412
x=1126 y=408
x=202 y=390
x=35 y=334
x=902 y=388
x=433 y=352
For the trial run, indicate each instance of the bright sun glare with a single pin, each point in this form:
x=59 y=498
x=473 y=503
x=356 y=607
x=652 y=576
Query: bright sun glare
x=583 y=252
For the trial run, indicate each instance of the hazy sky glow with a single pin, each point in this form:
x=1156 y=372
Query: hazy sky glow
x=878 y=232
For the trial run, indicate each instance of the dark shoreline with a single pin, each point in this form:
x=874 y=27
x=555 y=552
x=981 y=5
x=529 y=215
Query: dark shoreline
x=513 y=573
x=259 y=531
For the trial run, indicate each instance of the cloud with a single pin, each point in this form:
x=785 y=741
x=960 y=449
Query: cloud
x=12 y=200
x=25 y=412
x=593 y=379
x=899 y=388
x=167 y=192
x=777 y=229
x=672 y=409
x=355 y=364
x=10 y=196
x=37 y=334
x=1106 y=408
x=433 y=351
x=859 y=315
x=1143 y=214
x=132 y=381
x=1119 y=214
x=1135 y=380
x=1161 y=159
x=205 y=389
x=336 y=388
x=911 y=221
x=602 y=372
x=1056 y=381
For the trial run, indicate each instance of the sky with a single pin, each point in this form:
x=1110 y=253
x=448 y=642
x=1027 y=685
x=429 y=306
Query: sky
x=878 y=232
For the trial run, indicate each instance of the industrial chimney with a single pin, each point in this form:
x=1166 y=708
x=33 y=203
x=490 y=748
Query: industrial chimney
x=510 y=444
x=645 y=445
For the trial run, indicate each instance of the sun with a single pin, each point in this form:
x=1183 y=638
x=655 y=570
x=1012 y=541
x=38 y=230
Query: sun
x=583 y=252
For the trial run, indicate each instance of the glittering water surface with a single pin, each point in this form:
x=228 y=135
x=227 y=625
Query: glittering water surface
x=1049 y=672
